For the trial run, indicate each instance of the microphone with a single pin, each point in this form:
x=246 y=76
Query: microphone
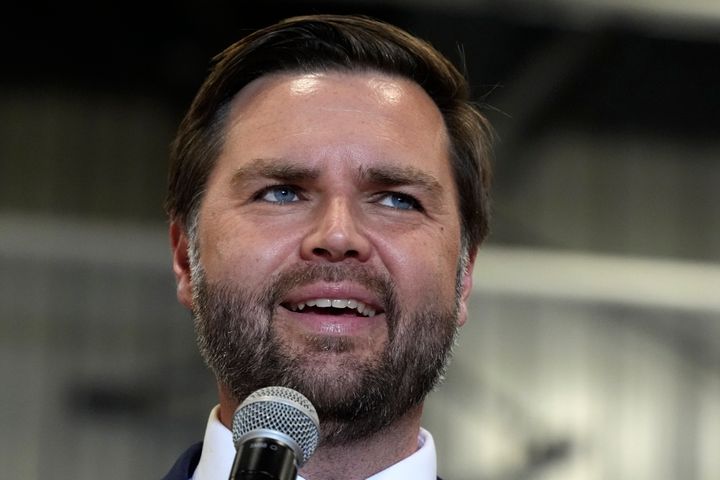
x=275 y=431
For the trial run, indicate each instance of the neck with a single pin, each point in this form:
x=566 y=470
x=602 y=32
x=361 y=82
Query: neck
x=357 y=460
x=365 y=457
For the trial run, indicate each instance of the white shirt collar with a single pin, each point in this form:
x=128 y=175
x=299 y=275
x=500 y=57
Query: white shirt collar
x=218 y=453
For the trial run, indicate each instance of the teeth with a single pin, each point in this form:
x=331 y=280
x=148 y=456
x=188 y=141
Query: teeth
x=335 y=303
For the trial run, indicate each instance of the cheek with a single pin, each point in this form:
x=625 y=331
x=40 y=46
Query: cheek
x=425 y=271
x=244 y=254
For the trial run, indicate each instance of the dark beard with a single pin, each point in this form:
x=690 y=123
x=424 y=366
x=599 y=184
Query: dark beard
x=237 y=342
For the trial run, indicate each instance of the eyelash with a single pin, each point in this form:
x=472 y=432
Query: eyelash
x=414 y=204
x=260 y=196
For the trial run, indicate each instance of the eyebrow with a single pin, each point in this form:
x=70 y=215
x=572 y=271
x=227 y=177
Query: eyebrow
x=385 y=175
x=393 y=176
x=274 y=168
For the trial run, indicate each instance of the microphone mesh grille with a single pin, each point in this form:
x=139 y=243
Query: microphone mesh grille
x=283 y=410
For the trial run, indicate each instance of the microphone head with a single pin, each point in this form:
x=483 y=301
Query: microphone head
x=281 y=413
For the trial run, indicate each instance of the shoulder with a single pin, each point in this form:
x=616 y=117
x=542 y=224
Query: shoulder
x=185 y=464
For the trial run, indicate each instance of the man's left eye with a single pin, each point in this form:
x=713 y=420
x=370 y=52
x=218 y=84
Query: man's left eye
x=400 y=201
x=279 y=194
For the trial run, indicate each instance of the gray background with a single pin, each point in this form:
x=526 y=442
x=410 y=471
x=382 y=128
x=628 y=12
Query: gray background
x=593 y=351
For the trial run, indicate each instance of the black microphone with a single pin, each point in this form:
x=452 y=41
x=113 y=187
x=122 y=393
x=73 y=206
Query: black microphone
x=275 y=431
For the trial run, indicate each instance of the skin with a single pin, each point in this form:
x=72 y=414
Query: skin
x=343 y=168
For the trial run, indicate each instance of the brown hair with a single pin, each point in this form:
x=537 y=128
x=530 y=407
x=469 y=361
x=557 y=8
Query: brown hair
x=324 y=43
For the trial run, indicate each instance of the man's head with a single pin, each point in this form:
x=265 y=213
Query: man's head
x=327 y=194
x=334 y=43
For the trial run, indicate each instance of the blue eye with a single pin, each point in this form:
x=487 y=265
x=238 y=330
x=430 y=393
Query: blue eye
x=400 y=201
x=279 y=194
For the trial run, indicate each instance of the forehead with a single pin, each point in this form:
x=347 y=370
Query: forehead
x=358 y=117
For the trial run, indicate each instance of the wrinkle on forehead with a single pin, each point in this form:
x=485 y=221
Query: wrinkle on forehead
x=338 y=112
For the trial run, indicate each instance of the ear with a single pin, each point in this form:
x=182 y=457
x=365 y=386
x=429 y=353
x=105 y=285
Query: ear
x=181 y=263
x=466 y=287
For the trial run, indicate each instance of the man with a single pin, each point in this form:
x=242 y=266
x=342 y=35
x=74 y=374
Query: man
x=328 y=192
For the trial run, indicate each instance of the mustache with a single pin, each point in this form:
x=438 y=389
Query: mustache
x=305 y=274
x=227 y=297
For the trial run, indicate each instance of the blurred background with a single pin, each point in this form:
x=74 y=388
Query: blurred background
x=593 y=351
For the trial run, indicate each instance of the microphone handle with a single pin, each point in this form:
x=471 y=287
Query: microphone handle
x=263 y=458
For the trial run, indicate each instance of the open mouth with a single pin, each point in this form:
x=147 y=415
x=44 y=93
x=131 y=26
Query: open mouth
x=335 y=306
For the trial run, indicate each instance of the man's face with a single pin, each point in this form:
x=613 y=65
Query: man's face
x=327 y=253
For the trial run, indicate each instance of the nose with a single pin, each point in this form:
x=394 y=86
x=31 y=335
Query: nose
x=336 y=234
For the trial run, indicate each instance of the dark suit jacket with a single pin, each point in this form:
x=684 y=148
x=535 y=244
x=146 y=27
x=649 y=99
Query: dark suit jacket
x=187 y=463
